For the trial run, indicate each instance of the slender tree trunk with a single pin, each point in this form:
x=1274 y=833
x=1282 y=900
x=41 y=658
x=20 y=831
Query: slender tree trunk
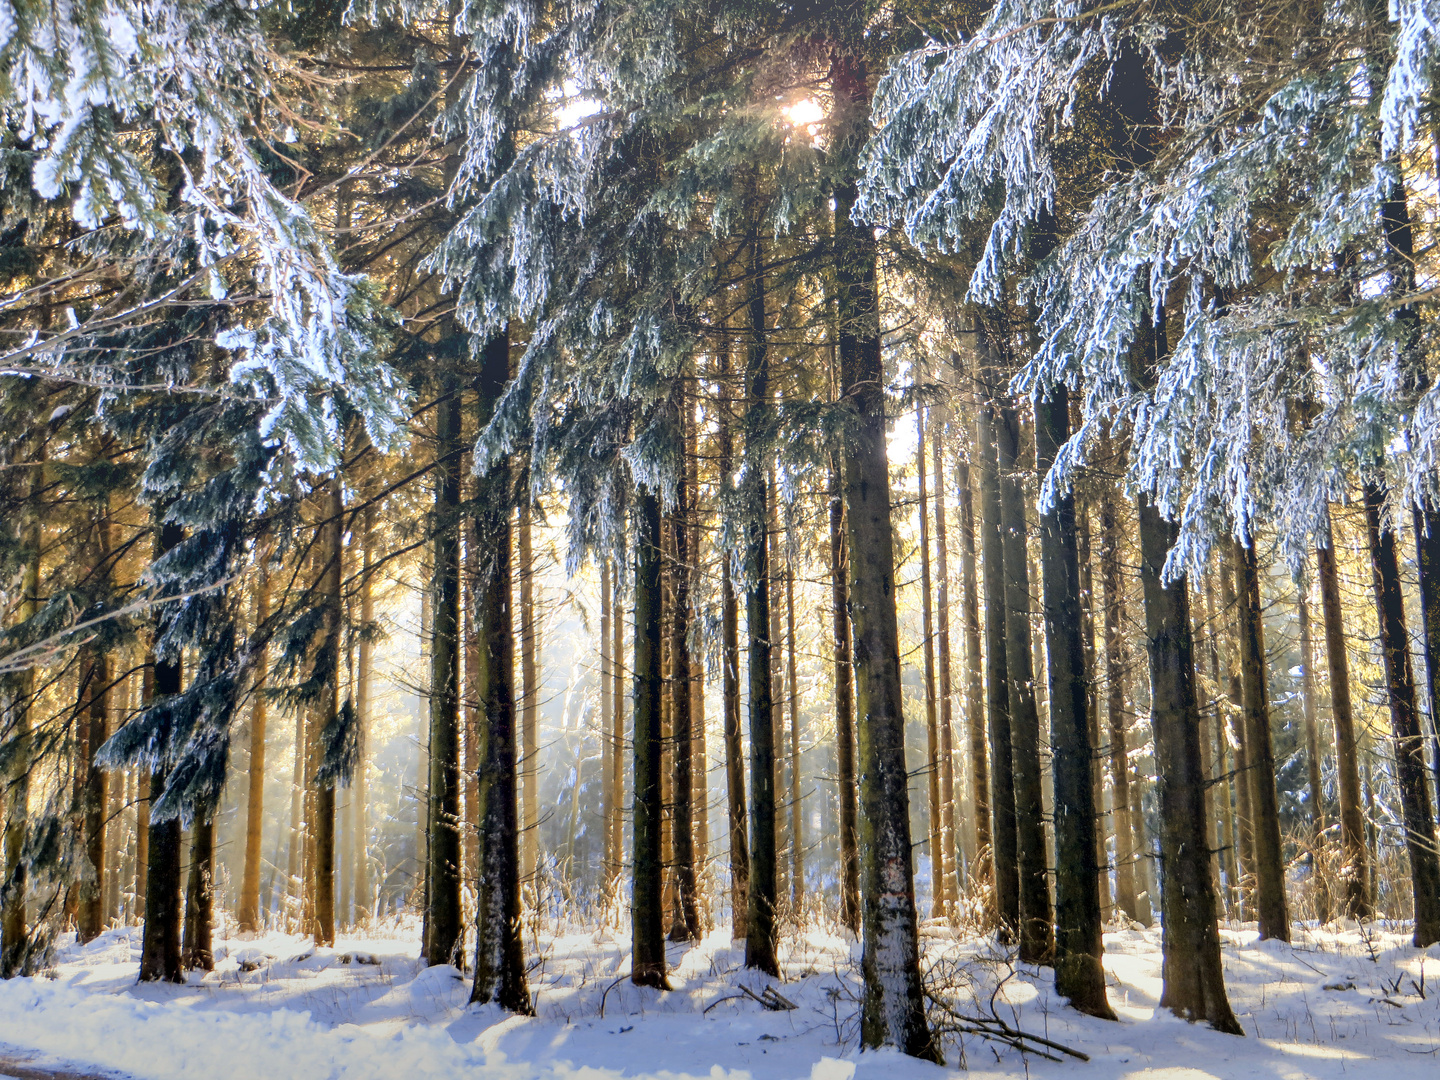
x=470 y=650
x=1037 y=942
x=96 y=796
x=1270 y=903
x=1312 y=755
x=249 y=914
x=844 y=706
x=685 y=920
x=1079 y=945
x=1240 y=728
x=1426 y=518
x=975 y=682
x=142 y=810
x=529 y=706
x=1216 y=771
x=949 y=838
x=608 y=749
x=446 y=934
x=997 y=682
x=332 y=579
x=617 y=695
x=1355 y=872
x=1085 y=556
x=647 y=965
x=499 y=949
x=730 y=686
x=160 y=944
x=1115 y=705
x=1404 y=720
x=938 y=869
x=893 y=1006
x=777 y=688
x=762 y=894
x=797 y=837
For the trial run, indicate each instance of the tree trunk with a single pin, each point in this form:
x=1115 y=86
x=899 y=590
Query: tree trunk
x=777 y=688
x=893 y=1006
x=1115 y=705
x=647 y=965
x=949 y=838
x=249 y=914
x=616 y=824
x=96 y=795
x=1312 y=756
x=975 y=682
x=608 y=749
x=685 y=919
x=14 y=940
x=844 y=706
x=446 y=933
x=1270 y=906
x=332 y=580
x=1037 y=942
x=997 y=681
x=938 y=868
x=1235 y=694
x=529 y=706
x=1427 y=560
x=1193 y=973
x=1085 y=556
x=1404 y=720
x=160 y=944
x=470 y=699
x=1079 y=945
x=1355 y=871
x=198 y=951
x=499 y=949
x=797 y=832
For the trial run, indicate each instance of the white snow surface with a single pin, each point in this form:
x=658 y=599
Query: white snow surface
x=1340 y=1002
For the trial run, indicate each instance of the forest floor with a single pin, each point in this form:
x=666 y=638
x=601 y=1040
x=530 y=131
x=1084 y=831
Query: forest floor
x=1338 y=1003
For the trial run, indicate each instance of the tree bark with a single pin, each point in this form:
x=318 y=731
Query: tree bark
x=96 y=796
x=446 y=934
x=1355 y=872
x=160 y=957
x=608 y=749
x=499 y=949
x=949 y=838
x=1115 y=705
x=249 y=914
x=198 y=950
x=762 y=893
x=997 y=681
x=938 y=869
x=332 y=579
x=1404 y=720
x=797 y=830
x=975 y=683
x=1079 y=945
x=529 y=705
x=1037 y=942
x=647 y=965
x=616 y=824
x=1193 y=973
x=1270 y=905
x=844 y=706
x=1085 y=555
x=730 y=687
x=685 y=918
x=892 y=1010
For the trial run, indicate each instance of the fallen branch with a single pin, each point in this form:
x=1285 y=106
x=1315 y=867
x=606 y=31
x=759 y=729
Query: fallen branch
x=992 y=1027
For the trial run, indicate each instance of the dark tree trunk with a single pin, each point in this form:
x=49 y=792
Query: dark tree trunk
x=893 y=1006
x=1270 y=906
x=974 y=681
x=1085 y=554
x=1037 y=941
x=997 y=683
x=1194 y=980
x=1427 y=559
x=198 y=951
x=19 y=690
x=160 y=957
x=844 y=707
x=647 y=965
x=796 y=796
x=446 y=934
x=761 y=897
x=608 y=746
x=616 y=824
x=1079 y=948
x=499 y=949
x=1355 y=871
x=96 y=795
x=685 y=919
x=529 y=705
x=1404 y=720
x=331 y=579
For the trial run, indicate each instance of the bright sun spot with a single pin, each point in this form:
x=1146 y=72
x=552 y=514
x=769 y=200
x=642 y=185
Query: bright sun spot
x=804 y=113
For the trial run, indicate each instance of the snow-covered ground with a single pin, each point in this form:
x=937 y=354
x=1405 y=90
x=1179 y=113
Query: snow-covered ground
x=1338 y=1003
